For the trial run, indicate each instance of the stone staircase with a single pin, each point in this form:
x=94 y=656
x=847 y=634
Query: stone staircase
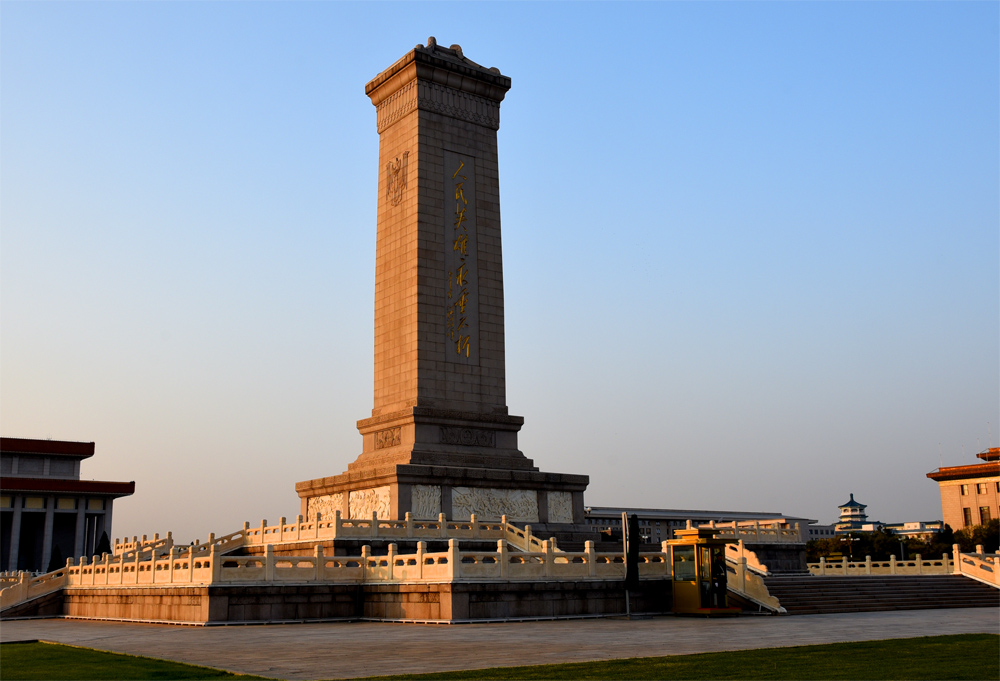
x=810 y=595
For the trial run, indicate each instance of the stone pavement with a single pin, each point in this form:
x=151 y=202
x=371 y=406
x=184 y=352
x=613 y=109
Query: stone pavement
x=351 y=649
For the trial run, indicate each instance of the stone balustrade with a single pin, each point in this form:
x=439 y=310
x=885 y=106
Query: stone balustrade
x=203 y=565
x=156 y=544
x=756 y=532
x=915 y=566
x=749 y=583
x=336 y=527
x=27 y=587
x=979 y=566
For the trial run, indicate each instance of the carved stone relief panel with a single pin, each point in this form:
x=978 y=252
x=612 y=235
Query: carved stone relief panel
x=327 y=505
x=473 y=437
x=425 y=501
x=560 y=507
x=389 y=437
x=361 y=503
x=520 y=505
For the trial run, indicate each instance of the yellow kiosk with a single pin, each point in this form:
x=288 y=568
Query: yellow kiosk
x=698 y=562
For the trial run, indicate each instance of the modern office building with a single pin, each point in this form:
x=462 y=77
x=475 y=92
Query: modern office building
x=970 y=494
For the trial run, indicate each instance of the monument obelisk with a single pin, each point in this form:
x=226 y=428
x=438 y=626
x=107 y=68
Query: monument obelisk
x=440 y=438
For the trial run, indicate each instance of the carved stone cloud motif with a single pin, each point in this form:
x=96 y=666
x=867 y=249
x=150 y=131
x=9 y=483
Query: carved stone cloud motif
x=425 y=502
x=519 y=505
x=363 y=502
x=327 y=505
x=560 y=507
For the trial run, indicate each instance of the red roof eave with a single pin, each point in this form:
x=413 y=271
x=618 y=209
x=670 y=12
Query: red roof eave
x=60 y=486
x=963 y=472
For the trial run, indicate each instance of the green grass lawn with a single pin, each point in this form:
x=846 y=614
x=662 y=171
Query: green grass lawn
x=966 y=656
x=53 y=661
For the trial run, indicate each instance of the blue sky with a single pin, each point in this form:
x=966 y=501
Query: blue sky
x=750 y=249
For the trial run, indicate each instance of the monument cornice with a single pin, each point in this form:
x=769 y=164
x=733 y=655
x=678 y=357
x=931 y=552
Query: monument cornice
x=439 y=416
x=441 y=80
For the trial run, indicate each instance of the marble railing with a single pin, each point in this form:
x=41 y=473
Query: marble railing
x=750 y=584
x=319 y=528
x=757 y=532
x=27 y=587
x=155 y=544
x=196 y=566
x=915 y=566
x=979 y=566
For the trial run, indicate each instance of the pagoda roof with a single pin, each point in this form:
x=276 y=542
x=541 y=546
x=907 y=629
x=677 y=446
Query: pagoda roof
x=852 y=504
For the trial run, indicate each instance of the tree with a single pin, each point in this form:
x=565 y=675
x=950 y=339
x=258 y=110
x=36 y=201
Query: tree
x=56 y=561
x=103 y=545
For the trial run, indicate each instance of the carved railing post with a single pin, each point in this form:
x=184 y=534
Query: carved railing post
x=502 y=557
x=336 y=524
x=319 y=560
x=409 y=524
x=170 y=568
x=454 y=559
x=421 y=550
x=442 y=526
x=374 y=524
x=190 y=578
x=822 y=566
x=474 y=524
x=588 y=548
x=956 y=551
x=366 y=552
x=892 y=564
x=547 y=548
x=392 y=562
x=269 y=563
x=215 y=557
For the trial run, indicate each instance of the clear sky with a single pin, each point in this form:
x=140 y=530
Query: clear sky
x=751 y=249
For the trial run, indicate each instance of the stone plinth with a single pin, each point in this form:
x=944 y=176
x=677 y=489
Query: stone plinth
x=440 y=438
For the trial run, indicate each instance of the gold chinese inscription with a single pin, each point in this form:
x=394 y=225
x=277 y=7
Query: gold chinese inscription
x=461 y=313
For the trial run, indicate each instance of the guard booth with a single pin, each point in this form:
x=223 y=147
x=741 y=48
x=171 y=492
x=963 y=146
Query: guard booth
x=699 y=573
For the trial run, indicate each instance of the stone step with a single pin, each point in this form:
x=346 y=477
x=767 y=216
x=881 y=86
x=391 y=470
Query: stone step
x=813 y=595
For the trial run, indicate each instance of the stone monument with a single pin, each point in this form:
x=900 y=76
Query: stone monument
x=440 y=438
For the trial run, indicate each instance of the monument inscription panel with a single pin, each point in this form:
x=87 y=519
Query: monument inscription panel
x=460 y=249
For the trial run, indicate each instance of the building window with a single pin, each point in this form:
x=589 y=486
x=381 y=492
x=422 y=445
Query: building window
x=6 y=502
x=967 y=516
x=66 y=504
x=95 y=504
x=965 y=490
x=981 y=488
x=984 y=514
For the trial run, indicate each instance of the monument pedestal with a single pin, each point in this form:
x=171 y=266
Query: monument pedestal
x=440 y=439
x=427 y=461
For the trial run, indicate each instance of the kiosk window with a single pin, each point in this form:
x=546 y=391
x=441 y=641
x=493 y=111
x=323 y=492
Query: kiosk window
x=684 y=570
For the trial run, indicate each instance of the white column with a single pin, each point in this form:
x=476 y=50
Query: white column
x=81 y=528
x=50 y=503
x=15 y=533
x=107 y=516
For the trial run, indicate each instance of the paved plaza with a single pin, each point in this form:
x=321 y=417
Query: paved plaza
x=352 y=649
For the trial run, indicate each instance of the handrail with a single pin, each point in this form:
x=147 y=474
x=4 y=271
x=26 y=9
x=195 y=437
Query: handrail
x=918 y=565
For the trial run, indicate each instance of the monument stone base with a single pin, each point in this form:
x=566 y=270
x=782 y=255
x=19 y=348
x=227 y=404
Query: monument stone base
x=426 y=461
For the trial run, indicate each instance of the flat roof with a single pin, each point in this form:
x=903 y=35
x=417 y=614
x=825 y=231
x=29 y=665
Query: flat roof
x=691 y=514
x=63 y=486
x=19 y=445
